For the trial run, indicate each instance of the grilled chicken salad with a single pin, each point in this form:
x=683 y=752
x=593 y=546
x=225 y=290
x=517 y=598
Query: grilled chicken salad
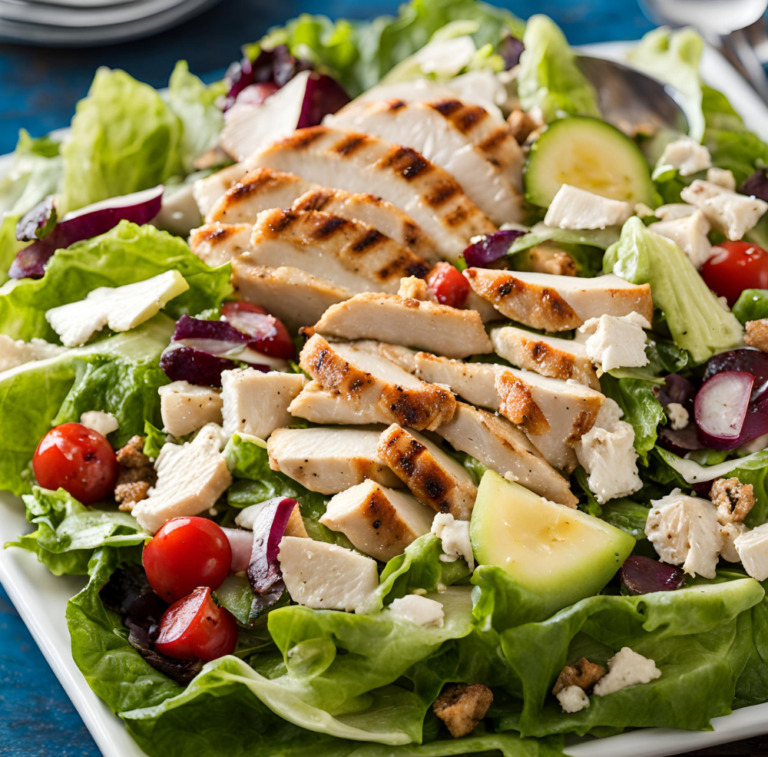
x=393 y=399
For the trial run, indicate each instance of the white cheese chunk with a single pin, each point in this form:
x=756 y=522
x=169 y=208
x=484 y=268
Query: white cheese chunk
x=684 y=531
x=574 y=208
x=326 y=577
x=678 y=416
x=722 y=177
x=454 y=534
x=257 y=403
x=419 y=610
x=573 y=699
x=687 y=156
x=186 y=407
x=380 y=522
x=122 y=309
x=190 y=478
x=607 y=453
x=673 y=211
x=613 y=342
x=752 y=548
x=690 y=235
x=96 y=420
x=727 y=211
x=729 y=532
x=626 y=668
x=16 y=353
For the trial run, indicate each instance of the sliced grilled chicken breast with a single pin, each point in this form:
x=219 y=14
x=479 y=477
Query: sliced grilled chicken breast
x=402 y=356
x=257 y=191
x=351 y=254
x=363 y=378
x=412 y=323
x=432 y=475
x=498 y=445
x=219 y=243
x=207 y=191
x=427 y=128
x=558 y=303
x=296 y=297
x=329 y=460
x=557 y=358
x=400 y=175
x=380 y=522
x=325 y=407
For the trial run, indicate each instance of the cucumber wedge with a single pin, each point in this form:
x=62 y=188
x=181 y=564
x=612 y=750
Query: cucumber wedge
x=589 y=154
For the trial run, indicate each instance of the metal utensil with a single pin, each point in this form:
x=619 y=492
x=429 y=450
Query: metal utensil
x=628 y=97
x=722 y=23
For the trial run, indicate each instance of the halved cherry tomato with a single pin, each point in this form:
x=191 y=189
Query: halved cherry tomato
x=448 y=285
x=734 y=267
x=187 y=553
x=78 y=460
x=269 y=335
x=196 y=628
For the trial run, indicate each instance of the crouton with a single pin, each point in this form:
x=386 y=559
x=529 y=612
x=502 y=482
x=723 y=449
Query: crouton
x=733 y=499
x=584 y=674
x=461 y=707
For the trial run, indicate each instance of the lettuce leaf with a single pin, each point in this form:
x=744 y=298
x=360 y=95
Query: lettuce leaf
x=359 y=54
x=549 y=78
x=68 y=533
x=699 y=637
x=696 y=320
x=119 y=375
x=124 y=255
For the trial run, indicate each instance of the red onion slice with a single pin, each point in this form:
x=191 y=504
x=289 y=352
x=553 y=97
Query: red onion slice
x=264 y=573
x=197 y=328
x=266 y=333
x=510 y=49
x=720 y=408
x=182 y=363
x=39 y=222
x=241 y=542
x=748 y=360
x=490 y=248
x=643 y=575
x=756 y=185
x=88 y=222
x=322 y=97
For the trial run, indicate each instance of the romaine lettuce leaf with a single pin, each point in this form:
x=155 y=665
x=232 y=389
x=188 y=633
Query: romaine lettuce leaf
x=119 y=375
x=549 y=78
x=696 y=320
x=699 y=637
x=68 y=533
x=124 y=255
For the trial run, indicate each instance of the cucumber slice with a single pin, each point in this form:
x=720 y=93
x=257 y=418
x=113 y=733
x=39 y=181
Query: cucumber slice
x=589 y=154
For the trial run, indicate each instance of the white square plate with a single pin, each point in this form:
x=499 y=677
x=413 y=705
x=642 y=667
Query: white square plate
x=41 y=598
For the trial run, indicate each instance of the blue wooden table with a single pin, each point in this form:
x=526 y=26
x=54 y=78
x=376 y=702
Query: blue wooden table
x=38 y=91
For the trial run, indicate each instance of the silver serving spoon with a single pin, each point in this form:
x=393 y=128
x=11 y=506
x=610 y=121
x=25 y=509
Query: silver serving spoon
x=628 y=97
x=722 y=23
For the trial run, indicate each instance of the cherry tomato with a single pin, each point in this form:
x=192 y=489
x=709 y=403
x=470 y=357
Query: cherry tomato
x=734 y=267
x=448 y=285
x=78 y=460
x=196 y=628
x=269 y=335
x=187 y=553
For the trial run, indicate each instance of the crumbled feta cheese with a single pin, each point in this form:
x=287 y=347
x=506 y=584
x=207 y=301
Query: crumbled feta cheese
x=690 y=235
x=413 y=288
x=678 y=416
x=686 y=155
x=454 y=535
x=752 y=548
x=185 y=407
x=573 y=699
x=607 y=453
x=104 y=423
x=420 y=610
x=729 y=533
x=626 y=668
x=733 y=214
x=190 y=478
x=673 y=211
x=574 y=208
x=325 y=576
x=616 y=342
x=722 y=177
x=122 y=309
x=684 y=531
x=16 y=353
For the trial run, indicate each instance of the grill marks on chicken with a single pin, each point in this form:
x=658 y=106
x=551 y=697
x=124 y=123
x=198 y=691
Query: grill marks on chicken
x=403 y=177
